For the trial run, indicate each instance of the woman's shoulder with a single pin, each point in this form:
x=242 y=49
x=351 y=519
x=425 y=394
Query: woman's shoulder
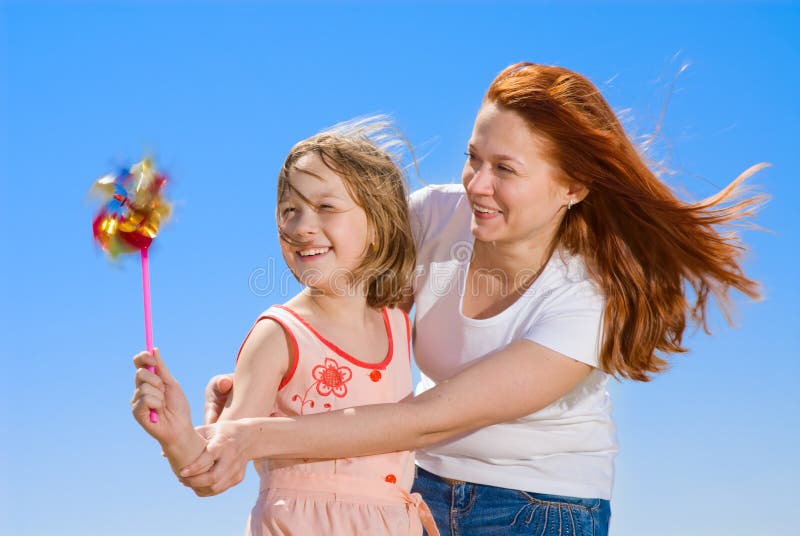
x=435 y=207
x=436 y=195
x=567 y=273
x=439 y=191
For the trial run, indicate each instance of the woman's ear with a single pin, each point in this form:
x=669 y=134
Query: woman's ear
x=574 y=193
x=578 y=191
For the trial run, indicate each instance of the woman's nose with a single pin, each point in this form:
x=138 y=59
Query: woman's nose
x=480 y=182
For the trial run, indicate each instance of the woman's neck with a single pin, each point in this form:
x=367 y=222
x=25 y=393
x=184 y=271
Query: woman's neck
x=498 y=275
x=513 y=260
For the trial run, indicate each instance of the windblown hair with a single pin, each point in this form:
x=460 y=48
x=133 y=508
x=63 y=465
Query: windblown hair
x=642 y=245
x=367 y=154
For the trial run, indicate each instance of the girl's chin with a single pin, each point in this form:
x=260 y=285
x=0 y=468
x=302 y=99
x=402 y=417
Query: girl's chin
x=322 y=283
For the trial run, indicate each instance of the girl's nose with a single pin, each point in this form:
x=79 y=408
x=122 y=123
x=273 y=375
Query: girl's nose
x=304 y=223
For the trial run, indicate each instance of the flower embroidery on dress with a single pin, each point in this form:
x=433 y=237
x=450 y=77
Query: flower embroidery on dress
x=375 y=375
x=331 y=378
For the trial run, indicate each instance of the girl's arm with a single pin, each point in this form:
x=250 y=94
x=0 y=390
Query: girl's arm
x=519 y=380
x=174 y=431
x=262 y=363
x=263 y=360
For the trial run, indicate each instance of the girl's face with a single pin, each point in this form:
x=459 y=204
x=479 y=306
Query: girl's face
x=328 y=231
x=512 y=189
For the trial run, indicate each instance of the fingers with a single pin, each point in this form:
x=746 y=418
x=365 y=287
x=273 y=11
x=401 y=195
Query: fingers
x=220 y=478
x=217 y=392
x=145 y=398
x=162 y=369
x=217 y=469
x=143 y=360
x=207 y=431
x=145 y=377
x=219 y=385
x=148 y=393
x=225 y=383
x=201 y=465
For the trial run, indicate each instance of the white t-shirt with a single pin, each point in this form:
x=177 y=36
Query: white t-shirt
x=566 y=448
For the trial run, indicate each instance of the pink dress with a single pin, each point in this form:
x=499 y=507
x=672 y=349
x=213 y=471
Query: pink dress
x=365 y=495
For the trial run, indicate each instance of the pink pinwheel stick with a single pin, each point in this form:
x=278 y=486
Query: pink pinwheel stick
x=148 y=316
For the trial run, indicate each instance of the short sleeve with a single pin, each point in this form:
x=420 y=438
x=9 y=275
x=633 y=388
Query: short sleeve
x=571 y=323
x=416 y=215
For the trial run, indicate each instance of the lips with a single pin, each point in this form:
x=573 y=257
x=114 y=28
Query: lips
x=484 y=212
x=313 y=252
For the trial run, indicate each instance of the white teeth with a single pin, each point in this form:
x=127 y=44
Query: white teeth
x=315 y=251
x=484 y=210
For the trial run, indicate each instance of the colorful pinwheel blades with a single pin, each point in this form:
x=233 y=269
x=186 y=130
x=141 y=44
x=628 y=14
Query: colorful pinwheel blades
x=133 y=209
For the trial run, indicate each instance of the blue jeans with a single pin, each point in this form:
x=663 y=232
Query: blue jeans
x=463 y=508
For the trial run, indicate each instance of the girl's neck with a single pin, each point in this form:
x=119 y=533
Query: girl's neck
x=346 y=321
x=341 y=309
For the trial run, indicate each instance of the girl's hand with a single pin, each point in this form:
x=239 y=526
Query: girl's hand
x=225 y=455
x=218 y=392
x=162 y=393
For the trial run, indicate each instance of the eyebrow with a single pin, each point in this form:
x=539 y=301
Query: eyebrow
x=500 y=156
x=316 y=197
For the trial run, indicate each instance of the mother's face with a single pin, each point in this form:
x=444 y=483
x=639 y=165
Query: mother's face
x=514 y=192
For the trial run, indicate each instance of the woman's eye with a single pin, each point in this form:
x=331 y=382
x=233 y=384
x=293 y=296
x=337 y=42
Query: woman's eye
x=472 y=159
x=287 y=211
x=503 y=167
x=326 y=207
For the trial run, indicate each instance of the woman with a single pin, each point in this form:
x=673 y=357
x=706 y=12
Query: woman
x=561 y=261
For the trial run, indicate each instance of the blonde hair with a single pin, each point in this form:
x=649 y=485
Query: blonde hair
x=367 y=154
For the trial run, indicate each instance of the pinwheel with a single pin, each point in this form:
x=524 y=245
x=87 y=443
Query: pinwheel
x=128 y=221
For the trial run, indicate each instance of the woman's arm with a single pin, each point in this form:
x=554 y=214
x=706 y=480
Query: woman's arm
x=519 y=380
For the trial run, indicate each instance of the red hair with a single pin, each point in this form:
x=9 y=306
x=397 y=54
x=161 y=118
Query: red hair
x=642 y=245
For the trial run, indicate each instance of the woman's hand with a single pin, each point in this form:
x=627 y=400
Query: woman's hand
x=225 y=454
x=218 y=392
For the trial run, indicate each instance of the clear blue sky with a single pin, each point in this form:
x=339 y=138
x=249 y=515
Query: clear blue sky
x=220 y=92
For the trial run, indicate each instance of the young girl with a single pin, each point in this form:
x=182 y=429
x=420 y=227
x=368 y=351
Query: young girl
x=344 y=233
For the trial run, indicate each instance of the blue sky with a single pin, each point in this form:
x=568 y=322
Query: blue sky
x=219 y=92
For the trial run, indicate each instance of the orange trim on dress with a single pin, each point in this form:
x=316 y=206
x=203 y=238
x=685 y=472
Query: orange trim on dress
x=408 y=332
x=294 y=359
x=381 y=365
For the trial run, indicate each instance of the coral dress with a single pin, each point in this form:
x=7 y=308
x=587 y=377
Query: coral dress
x=366 y=495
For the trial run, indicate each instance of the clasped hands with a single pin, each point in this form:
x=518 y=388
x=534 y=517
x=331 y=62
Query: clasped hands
x=222 y=458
